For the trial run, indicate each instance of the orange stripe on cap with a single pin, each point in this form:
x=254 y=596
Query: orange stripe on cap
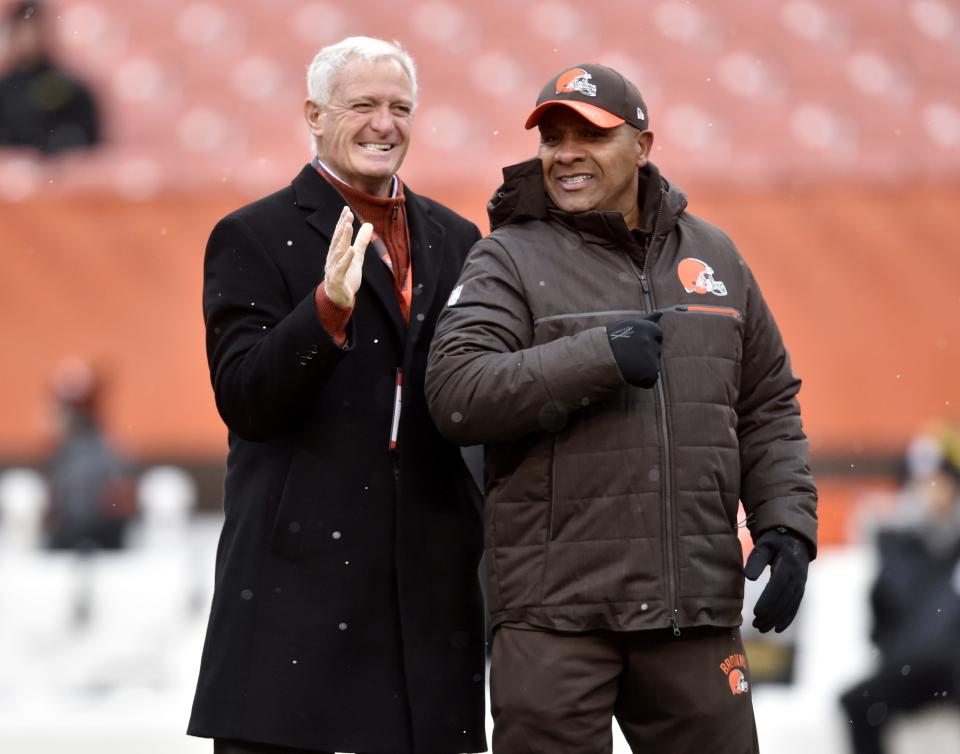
x=596 y=115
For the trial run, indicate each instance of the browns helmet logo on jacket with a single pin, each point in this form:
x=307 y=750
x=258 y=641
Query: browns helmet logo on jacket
x=696 y=276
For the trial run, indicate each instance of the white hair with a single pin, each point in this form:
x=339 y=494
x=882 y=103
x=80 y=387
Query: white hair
x=327 y=64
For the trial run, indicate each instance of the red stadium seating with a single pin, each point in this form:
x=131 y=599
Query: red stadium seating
x=823 y=137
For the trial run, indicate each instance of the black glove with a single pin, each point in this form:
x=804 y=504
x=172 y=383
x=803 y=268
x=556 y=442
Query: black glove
x=788 y=558
x=636 y=347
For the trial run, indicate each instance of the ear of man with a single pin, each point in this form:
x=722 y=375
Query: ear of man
x=314 y=115
x=644 y=145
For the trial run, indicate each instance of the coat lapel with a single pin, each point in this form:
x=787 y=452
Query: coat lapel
x=427 y=239
x=323 y=202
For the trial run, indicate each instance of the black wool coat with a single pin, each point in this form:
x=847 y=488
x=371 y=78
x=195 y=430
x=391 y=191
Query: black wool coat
x=347 y=612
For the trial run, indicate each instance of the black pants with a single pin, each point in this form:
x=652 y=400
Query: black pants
x=557 y=693
x=228 y=746
x=897 y=687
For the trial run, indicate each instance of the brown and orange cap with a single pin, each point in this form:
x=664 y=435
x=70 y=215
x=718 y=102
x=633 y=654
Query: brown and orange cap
x=598 y=93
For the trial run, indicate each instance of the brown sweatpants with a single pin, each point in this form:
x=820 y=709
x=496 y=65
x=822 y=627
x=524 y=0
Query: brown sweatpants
x=556 y=693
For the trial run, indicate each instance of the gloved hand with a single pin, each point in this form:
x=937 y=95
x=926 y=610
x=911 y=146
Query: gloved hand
x=788 y=558
x=636 y=347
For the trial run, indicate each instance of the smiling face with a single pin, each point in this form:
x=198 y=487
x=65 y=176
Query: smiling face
x=363 y=132
x=586 y=167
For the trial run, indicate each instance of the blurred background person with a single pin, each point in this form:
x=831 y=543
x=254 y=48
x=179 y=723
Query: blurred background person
x=42 y=106
x=915 y=600
x=92 y=499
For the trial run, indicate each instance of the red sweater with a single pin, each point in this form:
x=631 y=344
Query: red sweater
x=388 y=215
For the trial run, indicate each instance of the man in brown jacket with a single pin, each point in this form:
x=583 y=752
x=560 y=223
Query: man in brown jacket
x=615 y=356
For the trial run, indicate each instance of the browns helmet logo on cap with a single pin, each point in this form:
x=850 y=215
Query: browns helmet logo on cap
x=576 y=80
x=596 y=92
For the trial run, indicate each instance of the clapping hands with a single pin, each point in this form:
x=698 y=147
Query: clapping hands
x=343 y=272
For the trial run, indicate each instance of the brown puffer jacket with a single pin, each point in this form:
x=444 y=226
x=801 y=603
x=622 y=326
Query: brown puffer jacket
x=610 y=506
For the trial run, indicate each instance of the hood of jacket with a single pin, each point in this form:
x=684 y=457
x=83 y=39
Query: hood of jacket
x=522 y=197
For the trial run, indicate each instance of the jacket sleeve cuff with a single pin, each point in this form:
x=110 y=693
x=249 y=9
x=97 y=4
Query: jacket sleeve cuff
x=580 y=367
x=795 y=513
x=334 y=318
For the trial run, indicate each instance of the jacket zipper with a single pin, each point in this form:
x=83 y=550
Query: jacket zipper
x=726 y=311
x=661 y=403
x=553 y=492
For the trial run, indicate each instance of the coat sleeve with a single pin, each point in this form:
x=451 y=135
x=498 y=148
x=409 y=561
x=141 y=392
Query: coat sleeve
x=266 y=352
x=486 y=380
x=776 y=484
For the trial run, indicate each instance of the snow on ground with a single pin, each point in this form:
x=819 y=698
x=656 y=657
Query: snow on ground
x=123 y=681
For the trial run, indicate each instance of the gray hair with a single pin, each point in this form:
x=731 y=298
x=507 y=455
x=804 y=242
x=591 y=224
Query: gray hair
x=327 y=64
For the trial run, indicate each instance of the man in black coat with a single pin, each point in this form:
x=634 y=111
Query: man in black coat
x=347 y=613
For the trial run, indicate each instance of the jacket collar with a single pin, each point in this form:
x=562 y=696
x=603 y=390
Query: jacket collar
x=522 y=197
x=323 y=202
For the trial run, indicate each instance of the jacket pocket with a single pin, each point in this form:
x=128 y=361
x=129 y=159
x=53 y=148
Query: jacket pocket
x=286 y=536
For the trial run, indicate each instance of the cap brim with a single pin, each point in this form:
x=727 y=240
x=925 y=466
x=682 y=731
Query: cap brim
x=597 y=116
